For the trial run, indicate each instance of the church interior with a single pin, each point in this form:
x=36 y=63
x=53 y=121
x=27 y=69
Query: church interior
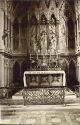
x=40 y=35
x=40 y=62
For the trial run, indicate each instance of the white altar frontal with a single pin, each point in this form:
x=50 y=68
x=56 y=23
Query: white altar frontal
x=44 y=78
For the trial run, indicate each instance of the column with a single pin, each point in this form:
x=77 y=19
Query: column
x=8 y=34
x=1 y=70
x=12 y=73
x=77 y=40
x=19 y=34
x=1 y=30
x=11 y=36
x=57 y=35
x=78 y=68
x=8 y=68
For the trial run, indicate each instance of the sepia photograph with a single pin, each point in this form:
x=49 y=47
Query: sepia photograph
x=39 y=62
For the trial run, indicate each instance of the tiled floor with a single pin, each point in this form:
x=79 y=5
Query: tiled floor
x=40 y=114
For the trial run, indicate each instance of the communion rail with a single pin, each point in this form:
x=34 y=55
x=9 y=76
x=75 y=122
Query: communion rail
x=35 y=95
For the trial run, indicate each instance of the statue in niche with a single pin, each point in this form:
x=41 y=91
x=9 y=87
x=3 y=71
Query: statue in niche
x=33 y=39
x=52 y=35
x=63 y=38
x=43 y=39
x=43 y=34
x=33 y=32
x=52 y=39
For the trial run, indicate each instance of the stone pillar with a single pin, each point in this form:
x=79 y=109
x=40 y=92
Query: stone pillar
x=12 y=70
x=1 y=30
x=8 y=72
x=1 y=48
x=57 y=36
x=78 y=36
x=78 y=69
x=9 y=44
x=6 y=75
x=11 y=36
x=19 y=34
x=1 y=70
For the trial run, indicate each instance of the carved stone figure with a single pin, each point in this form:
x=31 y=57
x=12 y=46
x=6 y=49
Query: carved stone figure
x=52 y=39
x=55 y=81
x=33 y=39
x=33 y=81
x=43 y=39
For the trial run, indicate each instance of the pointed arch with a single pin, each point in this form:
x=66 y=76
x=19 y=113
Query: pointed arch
x=53 y=19
x=43 y=19
x=16 y=74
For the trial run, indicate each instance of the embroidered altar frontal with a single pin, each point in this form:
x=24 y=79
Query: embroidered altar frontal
x=44 y=87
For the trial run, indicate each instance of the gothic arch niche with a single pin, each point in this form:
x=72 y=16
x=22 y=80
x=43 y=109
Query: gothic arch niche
x=72 y=75
x=64 y=66
x=43 y=19
x=52 y=35
x=43 y=34
x=71 y=34
x=23 y=68
x=33 y=34
x=53 y=19
x=15 y=34
x=16 y=74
